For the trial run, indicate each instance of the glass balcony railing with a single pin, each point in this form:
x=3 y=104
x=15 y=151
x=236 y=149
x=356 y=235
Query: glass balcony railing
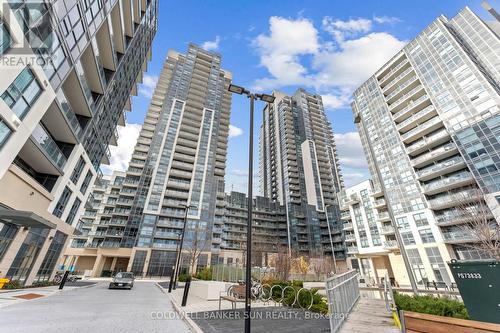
x=352 y=249
x=167 y=234
x=70 y=115
x=390 y=244
x=450 y=199
x=394 y=70
x=49 y=146
x=434 y=153
x=440 y=166
x=397 y=78
x=410 y=106
x=383 y=215
x=388 y=229
x=421 y=127
x=428 y=140
x=456 y=178
x=416 y=116
x=402 y=87
x=405 y=96
x=457 y=236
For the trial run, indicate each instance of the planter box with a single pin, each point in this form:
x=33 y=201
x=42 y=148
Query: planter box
x=479 y=285
x=208 y=290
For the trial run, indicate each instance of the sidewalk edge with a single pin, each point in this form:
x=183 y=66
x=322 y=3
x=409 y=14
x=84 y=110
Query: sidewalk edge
x=192 y=325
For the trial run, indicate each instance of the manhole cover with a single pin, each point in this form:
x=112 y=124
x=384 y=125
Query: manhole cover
x=29 y=296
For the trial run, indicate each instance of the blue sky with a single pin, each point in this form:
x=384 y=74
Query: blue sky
x=326 y=46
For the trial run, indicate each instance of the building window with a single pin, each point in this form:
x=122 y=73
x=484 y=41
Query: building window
x=5 y=40
x=86 y=182
x=27 y=254
x=78 y=170
x=138 y=263
x=427 y=236
x=420 y=219
x=53 y=253
x=5 y=132
x=417 y=266
x=7 y=233
x=63 y=201
x=408 y=238
x=22 y=93
x=438 y=265
x=73 y=211
x=402 y=223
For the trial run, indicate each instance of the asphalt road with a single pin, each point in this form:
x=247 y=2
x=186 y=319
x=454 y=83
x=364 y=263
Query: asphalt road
x=95 y=309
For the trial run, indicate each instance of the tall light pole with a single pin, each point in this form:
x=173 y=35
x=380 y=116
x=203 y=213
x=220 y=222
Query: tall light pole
x=178 y=259
x=269 y=99
x=331 y=241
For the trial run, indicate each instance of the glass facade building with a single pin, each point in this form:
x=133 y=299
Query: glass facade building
x=299 y=169
x=69 y=69
x=429 y=125
x=179 y=159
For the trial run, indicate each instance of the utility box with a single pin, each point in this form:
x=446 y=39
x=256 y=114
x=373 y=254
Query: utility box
x=479 y=284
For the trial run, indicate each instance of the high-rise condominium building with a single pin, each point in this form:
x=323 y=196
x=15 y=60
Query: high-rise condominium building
x=179 y=159
x=429 y=122
x=300 y=170
x=68 y=69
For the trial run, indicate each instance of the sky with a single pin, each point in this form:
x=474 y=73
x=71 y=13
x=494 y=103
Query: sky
x=328 y=47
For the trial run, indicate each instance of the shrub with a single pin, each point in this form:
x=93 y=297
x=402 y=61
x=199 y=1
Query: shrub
x=304 y=298
x=431 y=305
x=13 y=284
x=205 y=274
x=44 y=284
x=183 y=277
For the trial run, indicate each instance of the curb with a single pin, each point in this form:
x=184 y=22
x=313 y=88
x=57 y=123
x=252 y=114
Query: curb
x=192 y=325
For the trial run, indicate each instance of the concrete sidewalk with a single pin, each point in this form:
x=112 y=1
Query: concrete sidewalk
x=15 y=296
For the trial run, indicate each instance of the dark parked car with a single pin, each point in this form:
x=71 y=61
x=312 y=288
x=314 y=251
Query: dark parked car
x=122 y=280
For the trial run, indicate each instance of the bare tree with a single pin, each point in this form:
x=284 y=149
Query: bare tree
x=198 y=244
x=480 y=224
x=282 y=264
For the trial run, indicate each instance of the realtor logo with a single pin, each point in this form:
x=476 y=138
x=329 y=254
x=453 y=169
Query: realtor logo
x=34 y=17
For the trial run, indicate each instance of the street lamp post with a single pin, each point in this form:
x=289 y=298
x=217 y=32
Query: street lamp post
x=269 y=99
x=331 y=241
x=178 y=258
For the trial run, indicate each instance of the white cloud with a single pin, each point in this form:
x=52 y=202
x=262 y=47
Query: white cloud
x=234 y=131
x=211 y=45
x=121 y=154
x=148 y=85
x=355 y=60
x=387 y=19
x=294 y=54
x=341 y=29
x=350 y=151
x=280 y=50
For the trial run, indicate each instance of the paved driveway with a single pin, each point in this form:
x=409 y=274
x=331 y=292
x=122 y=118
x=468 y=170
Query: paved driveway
x=95 y=309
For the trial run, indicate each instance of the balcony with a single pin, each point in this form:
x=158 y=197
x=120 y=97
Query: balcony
x=379 y=203
x=387 y=230
x=384 y=216
x=451 y=200
x=459 y=236
x=352 y=199
x=412 y=108
x=391 y=245
x=449 y=182
x=398 y=91
x=347 y=226
x=441 y=168
x=345 y=216
x=447 y=150
x=389 y=75
x=165 y=234
x=396 y=79
x=41 y=143
x=419 y=117
x=456 y=217
x=422 y=129
x=394 y=107
x=352 y=250
x=350 y=238
x=428 y=142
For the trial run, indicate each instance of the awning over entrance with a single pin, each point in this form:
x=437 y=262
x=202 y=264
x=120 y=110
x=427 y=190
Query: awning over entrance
x=25 y=219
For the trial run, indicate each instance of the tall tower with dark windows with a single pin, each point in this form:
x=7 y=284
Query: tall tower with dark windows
x=299 y=169
x=178 y=161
